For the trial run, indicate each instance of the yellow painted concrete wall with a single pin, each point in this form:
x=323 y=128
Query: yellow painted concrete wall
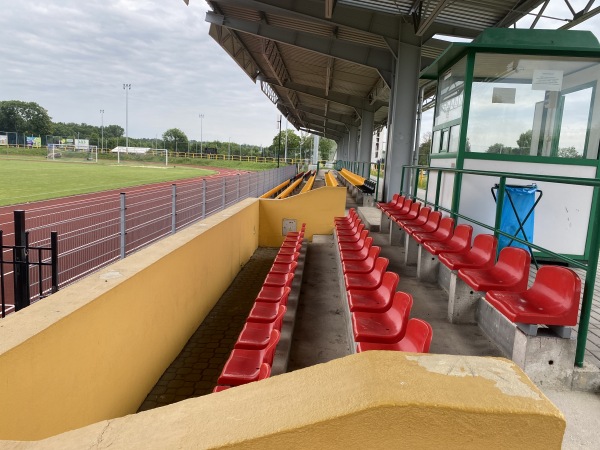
x=378 y=400
x=316 y=208
x=95 y=349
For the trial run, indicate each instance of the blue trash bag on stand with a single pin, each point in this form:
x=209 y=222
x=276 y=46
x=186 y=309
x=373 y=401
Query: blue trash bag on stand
x=523 y=200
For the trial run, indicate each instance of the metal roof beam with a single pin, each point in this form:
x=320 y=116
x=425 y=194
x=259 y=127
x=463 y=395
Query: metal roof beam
x=232 y=45
x=372 y=22
x=376 y=58
x=582 y=16
x=517 y=12
x=423 y=26
x=341 y=119
x=334 y=136
x=352 y=101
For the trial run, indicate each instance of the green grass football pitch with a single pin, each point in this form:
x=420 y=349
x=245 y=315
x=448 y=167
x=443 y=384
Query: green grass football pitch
x=27 y=181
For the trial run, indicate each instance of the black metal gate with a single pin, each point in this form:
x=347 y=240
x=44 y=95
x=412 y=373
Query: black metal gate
x=25 y=258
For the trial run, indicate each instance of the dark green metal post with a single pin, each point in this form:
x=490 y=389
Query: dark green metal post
x=438 y=189
x=588 y=291
x=377 y=182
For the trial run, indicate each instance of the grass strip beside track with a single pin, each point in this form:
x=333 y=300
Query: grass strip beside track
x=26 y=181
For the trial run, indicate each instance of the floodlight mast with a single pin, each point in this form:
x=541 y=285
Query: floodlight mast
x=201 y=139
x=127 y=88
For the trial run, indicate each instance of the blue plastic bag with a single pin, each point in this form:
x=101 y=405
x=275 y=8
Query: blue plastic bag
x=523 y=199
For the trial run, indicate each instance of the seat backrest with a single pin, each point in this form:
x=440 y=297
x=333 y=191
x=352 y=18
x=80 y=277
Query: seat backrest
x=400 y=310
x=424 y=213
x=557 y=290
x=264 y=372
x=515 y=262
x=462 y=235
x=284 y=298
x=418 y=336
x=269 y=351
x=434 y=219
x=406 y=206
x=446 y=226
x=363 y=235
x=415 y=208
x=484 y=249
x=279 y=318
x=374 y=253
x=389 y=283
x=289 y=278
x=380 y=266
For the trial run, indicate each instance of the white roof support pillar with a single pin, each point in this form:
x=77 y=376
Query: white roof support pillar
x=353 y=144
x=402 y=112
x=365 y=144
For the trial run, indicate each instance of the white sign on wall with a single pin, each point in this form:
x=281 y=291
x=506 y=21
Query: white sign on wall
x=547 y=80
x=3 y=139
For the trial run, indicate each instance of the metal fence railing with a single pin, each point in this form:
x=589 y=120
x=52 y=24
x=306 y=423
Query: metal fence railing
x=96 y=230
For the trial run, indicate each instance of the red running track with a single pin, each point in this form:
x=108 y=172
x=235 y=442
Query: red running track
x=89 y=224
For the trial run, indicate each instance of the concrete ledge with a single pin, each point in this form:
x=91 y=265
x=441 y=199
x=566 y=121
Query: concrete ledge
x=371 y=217
x=370 y=400
x=546 y=358
x=427 y=266
x=462 y=300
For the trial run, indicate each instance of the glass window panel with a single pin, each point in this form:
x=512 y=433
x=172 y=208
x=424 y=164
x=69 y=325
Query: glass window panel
x=435 y=143
x=574 y=123
x=520 y=105
x=454 y=139
x=445 y=140
x=450 y=94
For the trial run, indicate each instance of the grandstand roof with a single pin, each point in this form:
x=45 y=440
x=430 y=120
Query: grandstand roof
x=322 y=62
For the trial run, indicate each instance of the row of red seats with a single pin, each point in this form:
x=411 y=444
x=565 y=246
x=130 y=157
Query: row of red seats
x=553 y=299
x=254 y=350
x=380 y=315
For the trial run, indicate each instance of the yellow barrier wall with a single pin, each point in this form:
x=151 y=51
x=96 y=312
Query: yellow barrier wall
x=372 y=400
x=95 y=349
x=316 y=208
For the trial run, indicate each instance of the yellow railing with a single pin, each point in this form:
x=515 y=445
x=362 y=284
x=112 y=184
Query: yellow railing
x=309 y=184
x=276 y=189
x=290 y=189
x=330 y=179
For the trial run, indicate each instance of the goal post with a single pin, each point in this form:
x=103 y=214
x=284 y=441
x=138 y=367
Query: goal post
x=69 y=152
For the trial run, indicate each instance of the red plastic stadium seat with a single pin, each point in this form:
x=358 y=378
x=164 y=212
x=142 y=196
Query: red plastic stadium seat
x=392 y=203
x=370 y=280
x=255 y=335
x=357 y=255
x=374 y=300
x=267 y=311
x=293 y=241
x=481 y=256
x=413 y=213
x=283 y=268
x=386 y=327
x=278 y=279
x=364 y=266
x=353 y=246
x=347 y=226
x=352 y=238
x=510 y=273
x=553 y=299
x=296 y=233
x=273 y=294
x=416 y=340
x=346 y=219
x=460 y=242
x=350 y=232
x=432 y=224
x=400 y=209
x=286 y=259
x=421 y=219
x=290 y=250
x=244 y=366
x=443 y=232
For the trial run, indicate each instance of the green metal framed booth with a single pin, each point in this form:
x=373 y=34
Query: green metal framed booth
x=521 y=101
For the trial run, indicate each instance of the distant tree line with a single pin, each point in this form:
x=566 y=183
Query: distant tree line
x=30 y=119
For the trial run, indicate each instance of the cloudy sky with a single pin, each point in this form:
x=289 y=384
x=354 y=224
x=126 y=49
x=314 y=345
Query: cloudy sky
x=72 y=57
